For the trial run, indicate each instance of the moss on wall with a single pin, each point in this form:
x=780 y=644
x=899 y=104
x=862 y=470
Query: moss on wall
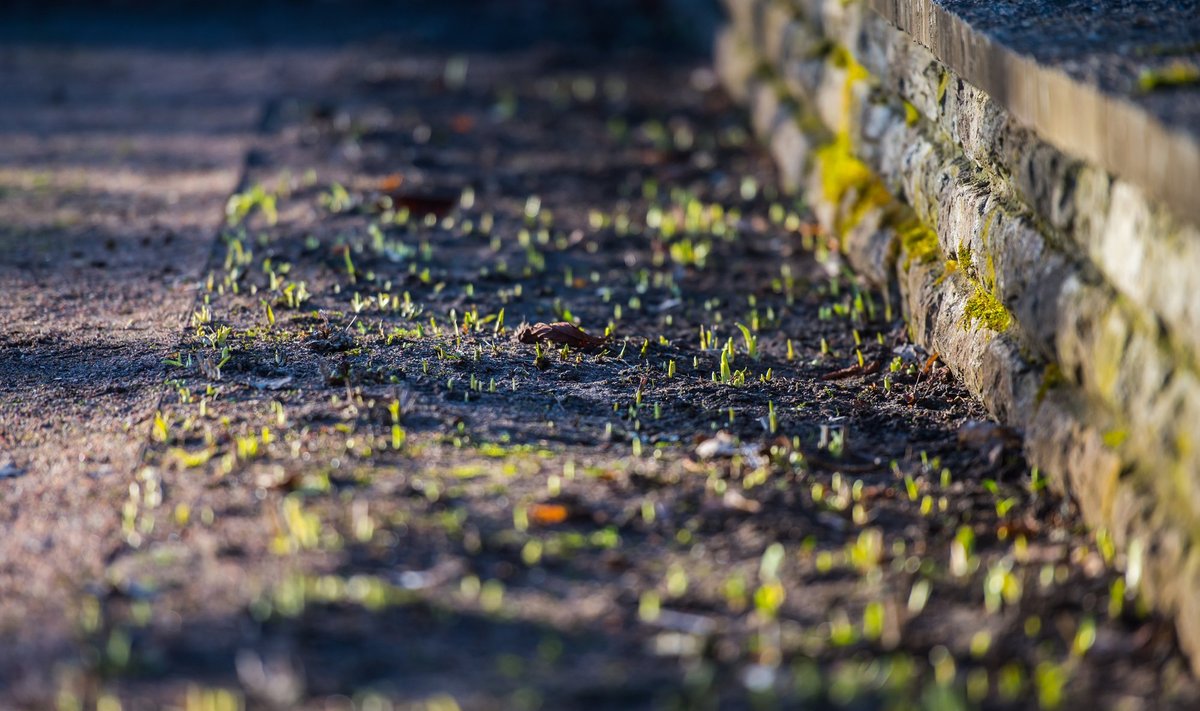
x=983 y=308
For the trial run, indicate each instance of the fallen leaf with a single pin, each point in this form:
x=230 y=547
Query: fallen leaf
x=1027 y=526
x=280 y=479
x=910 y=354
x=547 y=514
x=429 y=577
x=335 y=343
x=562 y=333
x=868 y=369
x=208 y=366
x=724 y=445
x=652 y=156
x=425 y=201
x=847 y=464
x=989 y=438
x=686 y=622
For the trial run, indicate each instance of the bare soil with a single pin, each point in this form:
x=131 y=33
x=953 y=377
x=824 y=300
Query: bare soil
x=348 y=483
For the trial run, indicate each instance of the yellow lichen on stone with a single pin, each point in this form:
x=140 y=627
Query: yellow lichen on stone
x=942 y=84
x=1182 y=475
x=873 y=196
x=856 y=73
x=841 y=58
x=963 y=255
x=919 y=242
x=987 y=225
x=984 y=308
x=842 y=175
x=950 y=267
x=1114 y=438
x=1107 y=353
x=989 y=278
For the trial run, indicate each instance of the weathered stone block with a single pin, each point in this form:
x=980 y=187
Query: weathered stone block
x=1152 y=259
x=734 y=63
x=1065 y=435
x=791 y=148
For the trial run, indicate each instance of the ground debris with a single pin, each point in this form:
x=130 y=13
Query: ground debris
x=9 y=470
x=857 y=369
x=420 y=200
x=333 y=343
x=561 y=333
x=547 y=514
x=270 y=383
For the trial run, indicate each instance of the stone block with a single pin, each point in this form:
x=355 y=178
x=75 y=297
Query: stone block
x=1153 y=259
x=734 y=63
x=988 y=363
x=791 y=148
x=1065 y=439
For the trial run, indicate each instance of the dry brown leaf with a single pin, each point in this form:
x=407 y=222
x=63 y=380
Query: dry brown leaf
x=561 y=333
x=438 y=204
x=868 y=369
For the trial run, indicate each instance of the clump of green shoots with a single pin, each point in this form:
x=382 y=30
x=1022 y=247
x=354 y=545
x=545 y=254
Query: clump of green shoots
x=241 y=205
x=751 y=341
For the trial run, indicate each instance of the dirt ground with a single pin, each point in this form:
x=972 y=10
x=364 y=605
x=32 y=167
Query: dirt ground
x=275 y=432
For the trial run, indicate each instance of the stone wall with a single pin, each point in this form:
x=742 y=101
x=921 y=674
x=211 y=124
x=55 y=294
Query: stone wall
x=1062 y=295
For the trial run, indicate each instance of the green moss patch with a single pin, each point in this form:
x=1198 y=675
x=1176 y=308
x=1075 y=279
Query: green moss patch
x=984 y=308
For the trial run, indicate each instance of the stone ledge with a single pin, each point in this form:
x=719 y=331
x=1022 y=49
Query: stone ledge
x=1086 y=99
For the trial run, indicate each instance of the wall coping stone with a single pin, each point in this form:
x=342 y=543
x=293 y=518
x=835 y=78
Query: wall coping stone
x=1114 y=82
